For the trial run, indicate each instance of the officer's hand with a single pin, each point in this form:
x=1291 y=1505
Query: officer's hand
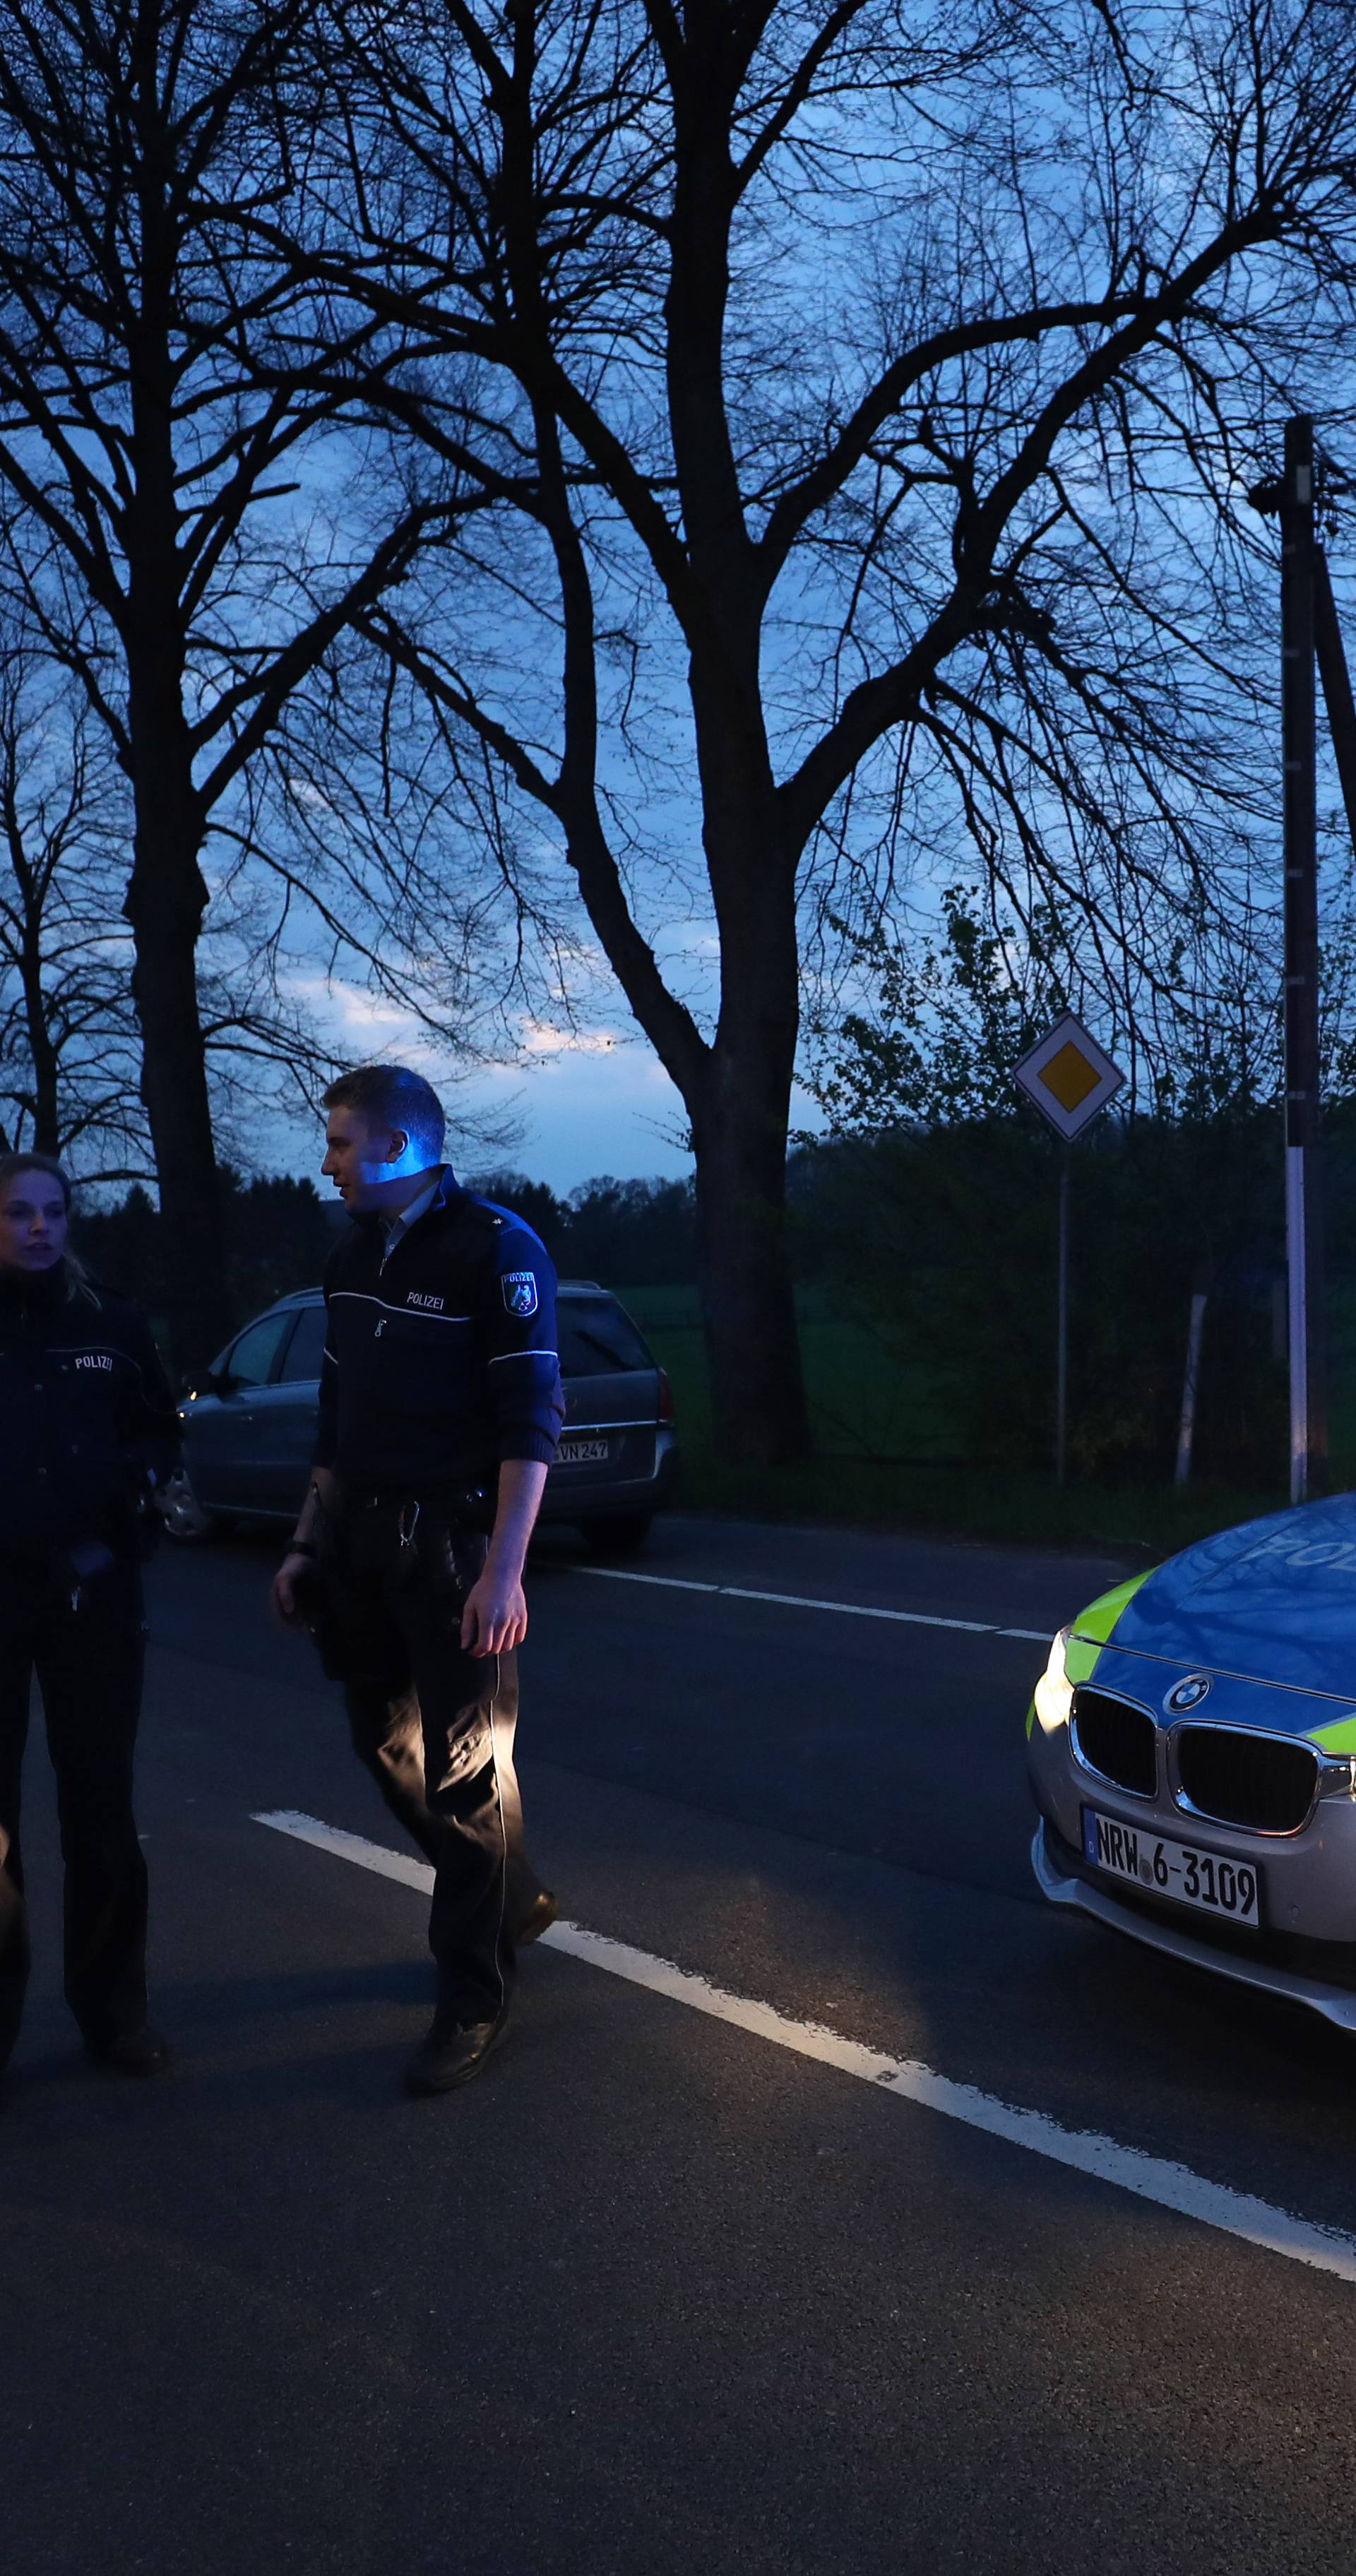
x=286 y=1606
x=495 y=1615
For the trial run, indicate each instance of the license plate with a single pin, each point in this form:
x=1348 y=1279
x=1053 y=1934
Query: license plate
x=1207 y=1880
x=583 y=1453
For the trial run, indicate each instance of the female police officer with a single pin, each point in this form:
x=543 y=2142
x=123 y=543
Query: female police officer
x=87 y=1423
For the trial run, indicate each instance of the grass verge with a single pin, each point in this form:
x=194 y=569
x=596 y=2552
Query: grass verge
x=885 y=1453
x=971 y=1503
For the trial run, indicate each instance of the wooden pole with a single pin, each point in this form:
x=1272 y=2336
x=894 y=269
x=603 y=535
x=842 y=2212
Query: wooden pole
x=1186 y=1429
x=1308 y=1413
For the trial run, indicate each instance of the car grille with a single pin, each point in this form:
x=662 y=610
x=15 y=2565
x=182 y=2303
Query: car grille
x=1117 y=1739
x=1245 y=1779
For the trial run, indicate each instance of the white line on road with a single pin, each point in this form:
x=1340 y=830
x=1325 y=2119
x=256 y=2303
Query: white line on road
x=799 y=1601
x=1170 y=2186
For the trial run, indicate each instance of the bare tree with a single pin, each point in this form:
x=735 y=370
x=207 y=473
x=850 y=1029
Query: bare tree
x=188 y=534
x=69 y=1044
x=862 y=397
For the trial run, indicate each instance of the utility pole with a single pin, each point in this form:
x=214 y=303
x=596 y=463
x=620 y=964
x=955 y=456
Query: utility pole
x=1336 y=679
x=1062 y=1329
x=1303 y=1194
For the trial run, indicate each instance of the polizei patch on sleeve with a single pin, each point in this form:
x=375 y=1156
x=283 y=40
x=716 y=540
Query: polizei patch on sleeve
x=520 y=1292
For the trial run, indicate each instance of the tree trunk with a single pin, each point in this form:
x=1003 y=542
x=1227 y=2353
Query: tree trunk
x=740 y=1121
x=165 y=903
x=41 y=1048
x=747 y=1289
x=167 y=895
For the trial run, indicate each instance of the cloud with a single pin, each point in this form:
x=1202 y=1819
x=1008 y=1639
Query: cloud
x=342 y=1008
x=589 y=1100
x=539 y=1038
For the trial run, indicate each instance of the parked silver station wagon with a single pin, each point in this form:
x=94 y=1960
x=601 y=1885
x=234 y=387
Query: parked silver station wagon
x=249 y=1426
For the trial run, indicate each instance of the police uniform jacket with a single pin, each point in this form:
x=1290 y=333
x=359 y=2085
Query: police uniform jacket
x=85 y=1413
x=440 y=1358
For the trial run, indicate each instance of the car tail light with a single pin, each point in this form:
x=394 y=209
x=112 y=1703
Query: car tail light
x=665 y=1397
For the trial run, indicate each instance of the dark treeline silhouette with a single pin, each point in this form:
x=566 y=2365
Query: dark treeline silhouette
x=939 y=1238
x=942 y=1240
x=627 y=1234
x=280 y=1233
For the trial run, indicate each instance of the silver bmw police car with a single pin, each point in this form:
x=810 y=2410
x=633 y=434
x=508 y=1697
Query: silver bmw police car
x=1192 y=1749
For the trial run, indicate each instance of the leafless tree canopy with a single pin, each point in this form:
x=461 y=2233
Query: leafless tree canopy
x=68 y=1037
x=70 y=1045
x=186 y=530
x=726 y=459
x=861 y=403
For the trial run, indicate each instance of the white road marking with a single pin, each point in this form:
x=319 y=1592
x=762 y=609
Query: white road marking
x=1153 y=2178
x=800 y=1601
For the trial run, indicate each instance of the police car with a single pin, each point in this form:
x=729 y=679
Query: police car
x=249 y=1426
x=1192 y=1749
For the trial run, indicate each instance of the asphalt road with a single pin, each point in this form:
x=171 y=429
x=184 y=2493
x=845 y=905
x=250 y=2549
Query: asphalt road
x=657 y=2293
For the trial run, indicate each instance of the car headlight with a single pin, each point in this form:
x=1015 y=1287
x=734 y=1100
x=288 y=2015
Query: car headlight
x=1054 y=1690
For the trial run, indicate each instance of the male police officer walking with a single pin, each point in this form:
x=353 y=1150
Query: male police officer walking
x=87 y=1422
x=440 y=1408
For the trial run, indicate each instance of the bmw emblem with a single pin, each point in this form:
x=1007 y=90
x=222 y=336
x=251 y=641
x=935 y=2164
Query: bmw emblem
x=1186 y=1695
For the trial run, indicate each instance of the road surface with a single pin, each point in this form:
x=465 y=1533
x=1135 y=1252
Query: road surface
x=678 y=2284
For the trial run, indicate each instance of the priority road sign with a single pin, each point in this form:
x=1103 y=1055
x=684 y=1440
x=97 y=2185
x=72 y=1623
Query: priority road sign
x=1069 y=1077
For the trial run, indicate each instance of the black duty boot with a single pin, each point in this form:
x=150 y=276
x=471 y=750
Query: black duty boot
x=132 y=2052
x=539 y=1917
x=451 y=2053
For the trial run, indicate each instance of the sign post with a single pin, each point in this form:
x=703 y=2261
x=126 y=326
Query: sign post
x=1070 y=1079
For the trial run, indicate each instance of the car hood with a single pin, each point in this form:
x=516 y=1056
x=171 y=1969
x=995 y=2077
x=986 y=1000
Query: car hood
x=1272 y=1602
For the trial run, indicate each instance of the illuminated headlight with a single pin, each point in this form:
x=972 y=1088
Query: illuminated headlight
x=1054 y=1690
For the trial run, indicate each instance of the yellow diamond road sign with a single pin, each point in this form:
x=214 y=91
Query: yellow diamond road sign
x=1069 y=1077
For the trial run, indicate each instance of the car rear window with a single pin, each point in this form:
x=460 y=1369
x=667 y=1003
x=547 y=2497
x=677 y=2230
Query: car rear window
x=307 y=1346
x=594 y=1336
x=249 y=1361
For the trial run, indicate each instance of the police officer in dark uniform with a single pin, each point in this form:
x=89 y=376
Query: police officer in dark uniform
x=88 y=1427
x=440 y=1408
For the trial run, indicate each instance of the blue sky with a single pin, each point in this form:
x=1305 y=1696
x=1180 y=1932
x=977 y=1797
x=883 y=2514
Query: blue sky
x=571 y=1102
x=575 y=1103
x=599 y=1102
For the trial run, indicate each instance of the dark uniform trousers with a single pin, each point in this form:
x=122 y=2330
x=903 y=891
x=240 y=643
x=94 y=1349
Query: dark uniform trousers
x=88 y=1661
x=435 y=1727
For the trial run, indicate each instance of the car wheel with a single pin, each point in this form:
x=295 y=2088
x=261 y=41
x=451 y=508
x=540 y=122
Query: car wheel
x=617 y=1533
x=186 y=1520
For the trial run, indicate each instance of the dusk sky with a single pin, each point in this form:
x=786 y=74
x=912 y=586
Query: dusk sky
x=599 y=1103
x=574 y=1103
x=595 y=1100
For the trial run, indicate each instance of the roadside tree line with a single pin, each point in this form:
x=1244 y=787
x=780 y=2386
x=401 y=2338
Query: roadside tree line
x=280 y=1233
x=507 y=486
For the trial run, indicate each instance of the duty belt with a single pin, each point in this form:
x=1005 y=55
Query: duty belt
x=464 y=1503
